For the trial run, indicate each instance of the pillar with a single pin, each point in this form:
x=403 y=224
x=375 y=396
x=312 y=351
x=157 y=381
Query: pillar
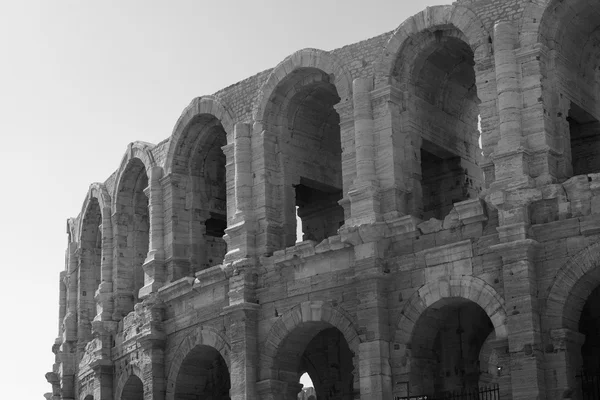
x=154 y=274
x=271 y=389
x=511 y=157
x=520 y=291
x=393 y=149
x=345 y=111
x=104 y=294
x=364 y=192
x=374 y=369
x=152 y=339
x=176 y=227
x=243 y=336
x=267 y=189
x=240 y=228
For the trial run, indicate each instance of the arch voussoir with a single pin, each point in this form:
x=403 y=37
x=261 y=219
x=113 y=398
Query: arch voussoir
x=471 y=288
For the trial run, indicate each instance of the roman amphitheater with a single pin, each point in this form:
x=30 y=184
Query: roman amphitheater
x=446 y=180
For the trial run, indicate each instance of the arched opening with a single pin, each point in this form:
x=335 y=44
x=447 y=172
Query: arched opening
x=447 y=349
x=89 y=397
x=308 y=388
x=307 y=157
x=133 y=389
x=89 y=266
x=322 y=352
x=589 y=325
x=200 y=157
x=437 y=68
x=133 y=235
x=570 y=30
x=203 y=375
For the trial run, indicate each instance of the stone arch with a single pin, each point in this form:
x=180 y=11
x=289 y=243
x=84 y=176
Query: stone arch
x=308 y=311
x=430 y=19
x=132 y=225
x=299 y=130
x=209 y=105
x=135 y=150
x=201 y=335
x=464 y=287
x=128 y=371
x=87 y=393
x=305 y=58
x=197 y=160
x=99 y=192
x=572 y=285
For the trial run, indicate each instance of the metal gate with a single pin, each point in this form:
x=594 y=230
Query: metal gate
x=483 y=393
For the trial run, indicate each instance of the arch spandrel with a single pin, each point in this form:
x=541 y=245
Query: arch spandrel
x=305 y=58
x=468 y=288
x=306 y=312
x=431 y=19
x=205 y=105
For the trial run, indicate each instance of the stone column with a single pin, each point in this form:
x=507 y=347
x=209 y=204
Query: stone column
x=154 y=274
x=271 y=389
x=104 y=294
x=563 y=362
x=393 y=149
x=511 y=157
x=176 y=227
x=346 y=113
x=152 y=338
x=520 y=292
x=67 y=352
x=243 y=334
x=267 y=189
x=103 y=376
x=240 y=231
x=364 y=193
x=374 y=367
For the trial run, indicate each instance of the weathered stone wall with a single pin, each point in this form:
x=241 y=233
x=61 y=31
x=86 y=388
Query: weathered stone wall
x=427 y=262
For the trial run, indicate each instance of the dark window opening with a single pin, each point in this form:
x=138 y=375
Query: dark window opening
x=318 y=209
x=215 y=225
x=443 y=181
x=585 y=141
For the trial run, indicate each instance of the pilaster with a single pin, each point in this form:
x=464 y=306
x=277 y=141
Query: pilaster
x=373 y=317
x=511 y=157
x=241 y=229
x=154 y=274
x=152 y=338
x=176 y=227
x=364 y=192
x=520 y=293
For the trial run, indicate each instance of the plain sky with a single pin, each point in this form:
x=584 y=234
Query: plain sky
x=79 y=80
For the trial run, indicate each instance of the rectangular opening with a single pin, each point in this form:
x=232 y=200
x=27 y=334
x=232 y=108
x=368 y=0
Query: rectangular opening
x=318 y=210
x=216 y=248
x=442 y=181
x=584 y=130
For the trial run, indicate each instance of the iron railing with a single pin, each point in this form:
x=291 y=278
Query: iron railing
x=483 y=393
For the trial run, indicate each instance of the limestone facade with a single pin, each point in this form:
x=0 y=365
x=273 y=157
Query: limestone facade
x=427 y=263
